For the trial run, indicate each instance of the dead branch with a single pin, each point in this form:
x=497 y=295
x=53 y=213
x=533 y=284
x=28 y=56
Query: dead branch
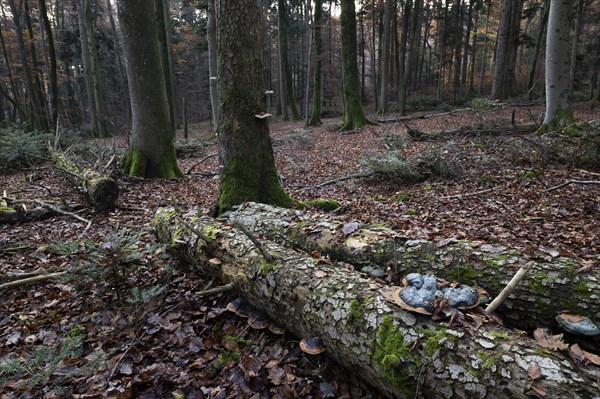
x=588 y=172
x=573 y=182
x=268 y=257
x=469 y=131
x=473 y=194
x=63 y=212
x=200 y=161
x=426 y=116
x=340 y=179
x=216 y=290
x=510 y=287
x=35 y=279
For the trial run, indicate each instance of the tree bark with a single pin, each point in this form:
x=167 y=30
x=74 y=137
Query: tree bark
x=163 y=24
x=52 y=79
x=538 y=47
x=575 y=45
x=285 y=72
x=315 y=109
x=558 y=109
x=152 y=148
x=247 y=165
x=499 y=89
x=211 y=33
x=354 y=114
x=87 y=67
x=386 y=57
x=102 y=190
x=553 y=285
x=401 y=354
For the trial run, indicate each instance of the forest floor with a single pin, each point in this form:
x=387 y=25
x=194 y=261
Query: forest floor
x=126 y=322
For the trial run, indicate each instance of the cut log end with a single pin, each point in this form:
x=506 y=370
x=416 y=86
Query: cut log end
x=104 y=192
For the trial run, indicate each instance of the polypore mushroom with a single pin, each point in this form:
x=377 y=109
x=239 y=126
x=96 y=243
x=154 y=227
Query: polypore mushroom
x=577 y=324
x=312 y=345
x=258 y=320
x=276 y=328
x=240 y=307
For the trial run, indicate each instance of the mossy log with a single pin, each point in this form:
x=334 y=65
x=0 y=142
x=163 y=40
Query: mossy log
x=401 y=354
x=101 y=189
x=551 y=286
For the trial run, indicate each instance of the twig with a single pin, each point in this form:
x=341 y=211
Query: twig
x=20 y=276
x=473 y=194
x=216 y=290
x=15 y=249
x=588 y=172
x=268 y=257
x=109 y=163
x=35 y=279
x=58 y=210
x=510 y=287
x=573 y=182
x=194 y=230
x=340 y=179
x=200 y=161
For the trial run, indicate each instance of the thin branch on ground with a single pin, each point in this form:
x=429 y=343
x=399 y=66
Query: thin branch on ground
x=194 y=230
x=18 y=283
x=58 y=210
x=510 y=287
x=200 y=161
x=109 y=163
x=268 y=257
x=588 y=172
x=573 y=182
x=340 y=179
x=216 y=290
x=473 y=194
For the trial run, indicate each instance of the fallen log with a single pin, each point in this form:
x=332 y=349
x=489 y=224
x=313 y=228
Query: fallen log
x=401 y=354
x=551 y=286
x=101 y=189
x=19 y=211
x=469 y=131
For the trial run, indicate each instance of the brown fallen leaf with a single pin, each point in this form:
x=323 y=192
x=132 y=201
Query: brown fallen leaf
x=539 y=390
x=586 y=266
x=534 y=371
x=592 y=358
x=552 y=342
x=550 y=251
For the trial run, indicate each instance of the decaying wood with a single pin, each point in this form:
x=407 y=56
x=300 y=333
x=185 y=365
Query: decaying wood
x=63 y=212
x=18 y=211
x=469 y=131
x=360 y=175
x=392 y=350
x=101 y=189
x=552 y=286
x=573 y=182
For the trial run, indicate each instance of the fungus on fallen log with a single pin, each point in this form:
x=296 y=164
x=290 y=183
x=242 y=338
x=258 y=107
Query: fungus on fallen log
x=551 y=286
x=399 y=353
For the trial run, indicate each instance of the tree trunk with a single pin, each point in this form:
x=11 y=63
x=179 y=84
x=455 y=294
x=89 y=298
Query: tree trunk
x=354 y=114
x=401 y=354
x=152 y=149
x=163 y=23
x=247 y=166
x=553 y=285
x=385 y=57
x=211 y=33
x=484 y=56
x=402 y=65
x=412 y=52
x=315 y=109
x=575 y=45
x=87 y=67
x=53 y=80
x=286 y=72
x=499 y=89
x=538 y=47
x=558 y=110
x=102 y=190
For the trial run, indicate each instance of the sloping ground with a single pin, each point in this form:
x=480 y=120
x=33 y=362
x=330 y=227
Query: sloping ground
x=116 y=343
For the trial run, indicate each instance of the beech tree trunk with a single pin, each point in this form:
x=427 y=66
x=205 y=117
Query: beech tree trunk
x=551 y=286
x=401 y=354
x=386 y=57
x=247 y=165
x=315 y=108
x=558 y=110
x=211 y=34
x=152 y=148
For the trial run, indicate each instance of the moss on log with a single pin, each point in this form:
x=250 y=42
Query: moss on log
x=551 y=286
x=19 y=211
x=102 y=190
x=401 y=354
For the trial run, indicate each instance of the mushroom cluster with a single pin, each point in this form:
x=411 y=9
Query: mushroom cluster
x=420 y=293
x=256 y=319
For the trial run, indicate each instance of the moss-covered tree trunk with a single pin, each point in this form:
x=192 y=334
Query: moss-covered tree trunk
x=558 y=110
x=354 y=114
x=247 y=165
x=315 y=109
x=401 y=354
x=152 y=147
x=551 y=286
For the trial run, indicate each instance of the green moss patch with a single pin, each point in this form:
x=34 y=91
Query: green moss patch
x=326 y=205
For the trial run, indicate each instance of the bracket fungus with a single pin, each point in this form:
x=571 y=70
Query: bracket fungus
x=576 y=324
x=240 y=307
x=312 y=345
